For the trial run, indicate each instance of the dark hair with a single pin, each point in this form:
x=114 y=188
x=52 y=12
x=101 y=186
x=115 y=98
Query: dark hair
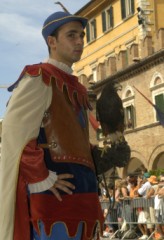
x=133 y=180
x=130 y=175
x=54 y=34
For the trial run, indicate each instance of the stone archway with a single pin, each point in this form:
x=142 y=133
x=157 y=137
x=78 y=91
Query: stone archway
x=135 y=166
x=156 y=160
x=159 y=162
x=137 y=162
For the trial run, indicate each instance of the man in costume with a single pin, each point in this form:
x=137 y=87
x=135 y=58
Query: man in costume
x=48 y=185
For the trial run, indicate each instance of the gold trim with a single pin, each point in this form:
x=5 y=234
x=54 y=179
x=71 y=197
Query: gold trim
x=59 y=19
x=97 y=224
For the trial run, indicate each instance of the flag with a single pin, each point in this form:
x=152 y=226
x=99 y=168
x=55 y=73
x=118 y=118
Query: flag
x=95 y=124
x=160 y=114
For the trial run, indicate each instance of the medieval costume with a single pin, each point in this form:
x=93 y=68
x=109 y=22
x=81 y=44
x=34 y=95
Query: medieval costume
x=45 y=134
x=48 y=136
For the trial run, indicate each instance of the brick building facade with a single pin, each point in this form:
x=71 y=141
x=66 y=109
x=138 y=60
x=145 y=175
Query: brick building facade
x=131 y=52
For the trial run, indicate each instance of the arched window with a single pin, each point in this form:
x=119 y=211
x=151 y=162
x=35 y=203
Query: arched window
x=129 y=110
x=157 y=89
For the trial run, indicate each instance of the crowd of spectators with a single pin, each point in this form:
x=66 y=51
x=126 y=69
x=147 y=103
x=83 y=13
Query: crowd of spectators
x=150 y=219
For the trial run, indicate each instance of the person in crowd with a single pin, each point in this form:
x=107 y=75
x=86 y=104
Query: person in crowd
x=131 y=214
x=143 y=184
x=129 y=176
x=151 y=193
x=159 y=209
x=133 y=187
x=154 y=186
x=145 y=173
x=121 y=189
x=121 y=192
x=109 y=227
x=143 y=215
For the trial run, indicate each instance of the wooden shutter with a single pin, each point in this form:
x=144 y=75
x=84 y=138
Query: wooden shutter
x=111 y=16
x=125 y=118
x=123 y=10
x=88 y=33
x=95 y=29
x=133 y=6
x=103 y=15
x=133 y=116
x=159 y=101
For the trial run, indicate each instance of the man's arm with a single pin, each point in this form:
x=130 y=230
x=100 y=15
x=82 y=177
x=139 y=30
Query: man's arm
x=20 y=130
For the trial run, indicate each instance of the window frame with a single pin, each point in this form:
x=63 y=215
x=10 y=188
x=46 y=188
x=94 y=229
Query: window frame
x=91 y=31
x=156 y=90
x=94 y=72
x=107 y=18
x=127 y=8
x=128 y=104
x=155 y=94
x=129 y=116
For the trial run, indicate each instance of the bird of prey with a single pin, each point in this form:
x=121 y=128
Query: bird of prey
x=110 y=112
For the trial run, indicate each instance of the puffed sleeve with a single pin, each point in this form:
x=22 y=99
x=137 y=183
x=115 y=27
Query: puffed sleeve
x=21 y=125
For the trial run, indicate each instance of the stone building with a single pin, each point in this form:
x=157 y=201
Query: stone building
x=125 y=42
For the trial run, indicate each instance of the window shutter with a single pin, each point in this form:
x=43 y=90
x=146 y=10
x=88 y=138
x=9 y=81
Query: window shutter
x=123 y=10
x=133 y=7
x=159 y=101
x=95 y=29
x=111 y=17
x=103 y=15
x=125 y=118
x=88 y=33
x=133 y=116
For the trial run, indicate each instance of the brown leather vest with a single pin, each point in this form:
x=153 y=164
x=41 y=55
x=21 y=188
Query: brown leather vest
x=66 y=139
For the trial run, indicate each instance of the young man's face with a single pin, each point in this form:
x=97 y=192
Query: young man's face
x=68 y=46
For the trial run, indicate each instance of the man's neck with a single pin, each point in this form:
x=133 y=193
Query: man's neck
x=60 y=65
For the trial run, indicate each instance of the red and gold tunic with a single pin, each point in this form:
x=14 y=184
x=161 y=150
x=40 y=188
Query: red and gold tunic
x=70 y=154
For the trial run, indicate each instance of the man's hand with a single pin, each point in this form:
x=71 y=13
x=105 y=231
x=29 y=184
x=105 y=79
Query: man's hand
x=63 y=185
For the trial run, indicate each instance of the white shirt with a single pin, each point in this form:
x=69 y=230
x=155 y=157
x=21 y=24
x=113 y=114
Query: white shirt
x=143 y=189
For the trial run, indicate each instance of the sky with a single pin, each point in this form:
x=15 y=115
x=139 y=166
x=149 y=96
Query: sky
x=21 y=41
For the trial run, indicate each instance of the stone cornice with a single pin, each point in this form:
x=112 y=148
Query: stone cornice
x=132 y=70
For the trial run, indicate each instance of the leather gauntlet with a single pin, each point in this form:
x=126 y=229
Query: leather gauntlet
x=118 y=155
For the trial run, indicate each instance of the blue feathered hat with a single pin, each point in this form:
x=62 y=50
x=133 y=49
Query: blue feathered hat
x=58 y=19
